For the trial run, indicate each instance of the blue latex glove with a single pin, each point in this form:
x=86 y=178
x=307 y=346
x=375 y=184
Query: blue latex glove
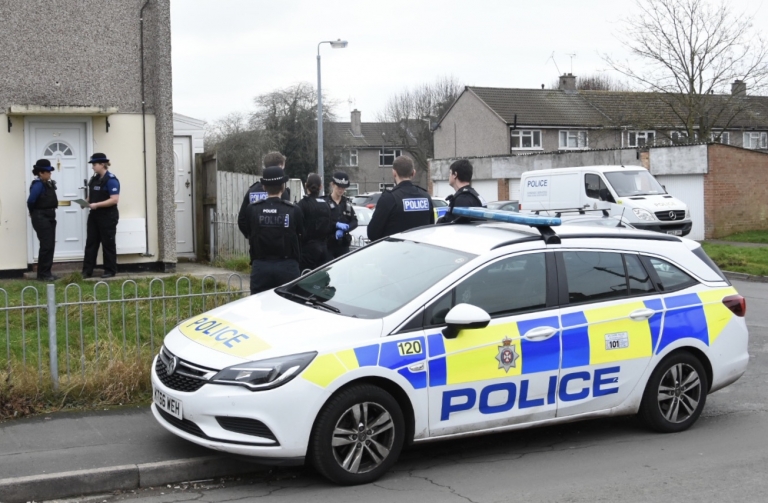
x=340 y=233
x=342 y=226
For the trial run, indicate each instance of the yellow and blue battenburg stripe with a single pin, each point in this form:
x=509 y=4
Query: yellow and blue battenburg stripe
x=472 y=356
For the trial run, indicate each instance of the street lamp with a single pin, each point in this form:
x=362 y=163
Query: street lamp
x=336 y=44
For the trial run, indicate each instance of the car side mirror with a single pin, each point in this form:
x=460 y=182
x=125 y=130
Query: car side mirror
x=464 y=317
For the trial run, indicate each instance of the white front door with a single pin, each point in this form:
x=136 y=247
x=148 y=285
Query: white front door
x=64 y=144
x=182 y=190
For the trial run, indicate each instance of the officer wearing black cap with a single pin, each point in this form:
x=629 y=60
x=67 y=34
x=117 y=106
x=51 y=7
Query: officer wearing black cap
x=402 y=208
x=42 y=203
x=257 y=191
x=103 y=196
x=317 y=225
x=274 y=228
x=460 y=177
x=343 y=218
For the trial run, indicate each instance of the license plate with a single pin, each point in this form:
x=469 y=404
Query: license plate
x=675 y=233
x=169 y=404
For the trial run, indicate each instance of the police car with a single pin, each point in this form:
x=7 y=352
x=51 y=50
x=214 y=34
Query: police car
x=453 y=330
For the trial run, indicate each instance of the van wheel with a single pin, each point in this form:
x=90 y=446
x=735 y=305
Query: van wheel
x=357 y=436
x=675 y=394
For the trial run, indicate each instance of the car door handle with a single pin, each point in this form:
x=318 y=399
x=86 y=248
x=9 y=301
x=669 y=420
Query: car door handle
x=540 y=333
x=642 y=314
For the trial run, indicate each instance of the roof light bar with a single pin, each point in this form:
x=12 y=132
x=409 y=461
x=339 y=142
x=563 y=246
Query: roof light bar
x=507 y=216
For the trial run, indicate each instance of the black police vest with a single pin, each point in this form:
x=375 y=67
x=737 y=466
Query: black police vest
x=412 y=208
x=466 y=191
x=47 y=200
x=100 y=194
x=272 y=229
x=317 y=218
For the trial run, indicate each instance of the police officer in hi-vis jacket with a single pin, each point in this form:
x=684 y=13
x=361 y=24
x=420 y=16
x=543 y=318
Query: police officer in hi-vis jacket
x=103 y=196
x=42 y=203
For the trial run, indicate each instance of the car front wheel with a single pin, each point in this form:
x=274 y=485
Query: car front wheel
x=675 y=394
x=358 y=435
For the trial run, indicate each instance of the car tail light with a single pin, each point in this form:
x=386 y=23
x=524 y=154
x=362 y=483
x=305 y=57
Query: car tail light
x=737 y=304
x=370 y=206
x=519 y=206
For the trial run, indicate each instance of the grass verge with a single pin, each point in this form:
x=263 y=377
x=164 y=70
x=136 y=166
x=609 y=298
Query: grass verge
x=739 y=259
x=748 y=237
x=239 y=264
x=106 y=334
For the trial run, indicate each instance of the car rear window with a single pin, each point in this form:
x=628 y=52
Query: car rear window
x=699 y=252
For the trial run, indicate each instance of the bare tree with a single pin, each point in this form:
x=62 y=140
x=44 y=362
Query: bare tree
x=412 y=113
x=596 y=82
x=690 y=51
x=287 y=119
x=238 y=147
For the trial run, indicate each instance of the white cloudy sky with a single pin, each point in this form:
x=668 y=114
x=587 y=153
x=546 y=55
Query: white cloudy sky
x=225 y=52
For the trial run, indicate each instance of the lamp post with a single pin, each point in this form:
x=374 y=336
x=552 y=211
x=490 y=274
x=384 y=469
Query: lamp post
x=336 y=44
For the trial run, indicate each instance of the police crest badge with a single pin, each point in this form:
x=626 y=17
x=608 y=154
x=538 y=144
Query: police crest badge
x=507 y=356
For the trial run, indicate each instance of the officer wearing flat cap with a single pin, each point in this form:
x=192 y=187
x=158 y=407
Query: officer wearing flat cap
x=42 y=203
x=402 y=208
x=257 y=191
x=343 y=218
x=103 y=196
x=274 y=228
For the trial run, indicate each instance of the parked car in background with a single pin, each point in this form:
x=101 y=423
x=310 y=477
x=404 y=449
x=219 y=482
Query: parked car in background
x=360 y=233
x=368 y=199
x=441 y=207
x=503 y=205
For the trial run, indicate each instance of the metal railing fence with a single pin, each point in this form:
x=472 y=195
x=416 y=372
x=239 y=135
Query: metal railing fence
x=79 y=332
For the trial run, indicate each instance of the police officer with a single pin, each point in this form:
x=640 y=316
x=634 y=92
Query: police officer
x=343 y=218
x=42 y=203
x=274 y=228
x=460 y=177
x=103 y=196
x=257 y=191
x=317 y=225
x=404 y=207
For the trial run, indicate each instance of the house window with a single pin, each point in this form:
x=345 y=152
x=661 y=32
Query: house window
x=573 y=139
x=723 y=137
x=57 y=148
x=756 y=139
x=386 y=186
x=641 y=138
x=679 y=136
x=522 y=139
x=387 y=156
x=348 y=157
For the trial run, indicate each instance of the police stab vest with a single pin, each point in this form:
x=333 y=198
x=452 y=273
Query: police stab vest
x=47 y=200
x=272 y=226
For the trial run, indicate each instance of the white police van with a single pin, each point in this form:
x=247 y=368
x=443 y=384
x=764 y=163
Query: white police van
x=453 y=330
x=630 y=192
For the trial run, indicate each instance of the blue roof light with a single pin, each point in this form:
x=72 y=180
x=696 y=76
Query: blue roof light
x=507 y=216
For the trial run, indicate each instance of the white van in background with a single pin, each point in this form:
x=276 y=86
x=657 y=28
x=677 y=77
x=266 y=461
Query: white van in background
x=631 y=191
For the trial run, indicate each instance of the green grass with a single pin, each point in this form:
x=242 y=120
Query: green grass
x=239 y=264
x=104 y=347
x=748 y=237
x=739 y=259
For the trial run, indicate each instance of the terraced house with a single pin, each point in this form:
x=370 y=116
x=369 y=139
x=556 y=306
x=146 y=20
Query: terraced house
x=500 y=121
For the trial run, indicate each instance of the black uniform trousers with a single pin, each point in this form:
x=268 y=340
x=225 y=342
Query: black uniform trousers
x=267 y=274
x=44 y=223
x=314 y=253
x=102 y=227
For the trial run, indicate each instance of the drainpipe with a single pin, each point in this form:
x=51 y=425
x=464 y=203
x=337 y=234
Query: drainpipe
x=144 y=131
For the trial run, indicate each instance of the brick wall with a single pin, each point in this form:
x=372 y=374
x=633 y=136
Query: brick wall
x=735 y=191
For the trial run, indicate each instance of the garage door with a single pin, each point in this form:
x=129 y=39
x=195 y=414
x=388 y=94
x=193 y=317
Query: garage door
x=690 y=190
x=442 y=189
x=514 y=189
x=489 y=189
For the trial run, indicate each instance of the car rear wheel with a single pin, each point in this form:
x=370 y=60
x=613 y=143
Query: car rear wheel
x=358 y=435
x=675 y=394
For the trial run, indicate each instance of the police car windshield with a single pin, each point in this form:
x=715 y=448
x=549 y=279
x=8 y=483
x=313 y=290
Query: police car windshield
x=634 y=183
x=381 y=278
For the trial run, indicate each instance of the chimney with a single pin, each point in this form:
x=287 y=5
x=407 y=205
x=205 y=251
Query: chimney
x=356 y=127
x=567 y=82
x=739 y=88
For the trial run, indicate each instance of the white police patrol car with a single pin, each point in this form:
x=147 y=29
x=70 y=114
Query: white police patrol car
x=453 y=330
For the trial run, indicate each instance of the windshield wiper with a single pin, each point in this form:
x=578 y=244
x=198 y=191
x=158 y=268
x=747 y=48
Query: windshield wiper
x=312 y=300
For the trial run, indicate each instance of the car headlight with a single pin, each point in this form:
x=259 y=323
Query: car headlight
x=265 y=374
x=643 y=214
